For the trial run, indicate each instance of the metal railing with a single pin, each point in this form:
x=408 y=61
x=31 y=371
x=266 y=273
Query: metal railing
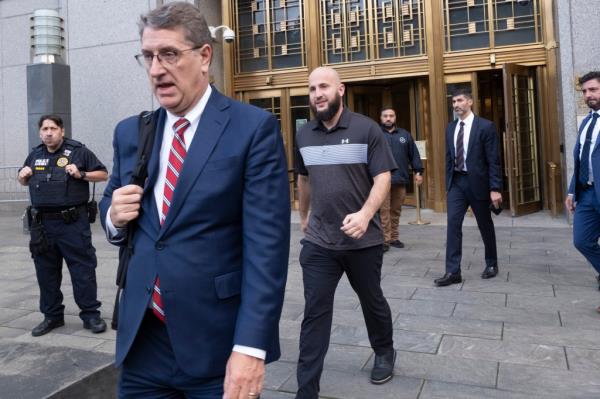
x=10 y=189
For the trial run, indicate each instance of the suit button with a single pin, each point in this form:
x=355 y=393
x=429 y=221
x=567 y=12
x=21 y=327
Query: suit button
x=160 y=245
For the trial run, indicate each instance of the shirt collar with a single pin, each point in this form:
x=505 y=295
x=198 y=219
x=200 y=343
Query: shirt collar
x=468 y=120
x=194 y=114
x=342 y=123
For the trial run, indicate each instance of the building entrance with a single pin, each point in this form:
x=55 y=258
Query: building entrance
x=509 y=98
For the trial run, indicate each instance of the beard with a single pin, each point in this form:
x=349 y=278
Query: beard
x=327 y=114
x=388 y=125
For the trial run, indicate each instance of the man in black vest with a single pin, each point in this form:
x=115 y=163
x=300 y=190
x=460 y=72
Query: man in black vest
x=58 y=173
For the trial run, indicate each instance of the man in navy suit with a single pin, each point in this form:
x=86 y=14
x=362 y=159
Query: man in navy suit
x=199 y=313
x=473 y=178
x=584 y=193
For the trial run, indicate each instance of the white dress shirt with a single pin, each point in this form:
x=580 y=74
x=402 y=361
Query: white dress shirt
x=466 y=133
x=193 y=116
x=592 y=144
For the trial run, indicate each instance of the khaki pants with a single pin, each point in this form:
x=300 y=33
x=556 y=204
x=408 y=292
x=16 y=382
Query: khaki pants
x=390 y=212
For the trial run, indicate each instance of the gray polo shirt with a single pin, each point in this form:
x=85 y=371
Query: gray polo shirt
x=341 y=164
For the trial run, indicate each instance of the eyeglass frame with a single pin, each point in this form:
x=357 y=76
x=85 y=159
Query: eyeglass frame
x=144 y=64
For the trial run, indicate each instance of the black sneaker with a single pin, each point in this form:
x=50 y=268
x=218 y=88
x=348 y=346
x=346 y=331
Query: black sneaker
x=46 y=326
x=397 y=244
x=386 y=247
x=383 y=367
x=95 y=325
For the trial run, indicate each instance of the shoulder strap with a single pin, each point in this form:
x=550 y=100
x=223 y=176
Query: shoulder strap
x=147 y=127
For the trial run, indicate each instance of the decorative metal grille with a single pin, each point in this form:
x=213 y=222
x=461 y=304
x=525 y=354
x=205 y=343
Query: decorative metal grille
x=348 y=35
x=467 y=23
x=271 y=34
x=399 y=28
x=517 y=22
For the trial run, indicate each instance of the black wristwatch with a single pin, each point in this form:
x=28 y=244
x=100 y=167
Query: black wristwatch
x=83 y=174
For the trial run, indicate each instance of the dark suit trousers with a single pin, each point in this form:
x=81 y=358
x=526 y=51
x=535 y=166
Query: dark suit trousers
x=459 y=198
x=321 y=271
x=151 y=372
x=586 y=226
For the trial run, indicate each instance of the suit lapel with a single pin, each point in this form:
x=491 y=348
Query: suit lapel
x=450 y=138
x=212 y=123
x=473 y=134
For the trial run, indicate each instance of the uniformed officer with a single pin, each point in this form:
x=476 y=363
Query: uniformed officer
x=58 y=173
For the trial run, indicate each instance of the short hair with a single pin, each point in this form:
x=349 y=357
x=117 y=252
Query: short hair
x=178 y=15
x=589 y=76
x=54 y=118
x=387 y=107
x=462 y=92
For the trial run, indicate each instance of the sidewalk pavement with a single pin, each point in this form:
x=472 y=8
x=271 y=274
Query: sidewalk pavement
x=531 y=332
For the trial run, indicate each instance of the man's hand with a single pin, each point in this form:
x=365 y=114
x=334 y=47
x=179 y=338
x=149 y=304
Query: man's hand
x=419 y=179
x=355 y=224
x=24 y=174
x=244 y=375
x=570 y=204
x=303 y=225
x=496 y=198
x=125 y=204
x=72 y=170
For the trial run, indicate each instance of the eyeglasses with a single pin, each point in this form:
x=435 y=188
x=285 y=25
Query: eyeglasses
x=167 y=57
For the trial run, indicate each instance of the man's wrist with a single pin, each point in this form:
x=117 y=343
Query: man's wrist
x=83 y=174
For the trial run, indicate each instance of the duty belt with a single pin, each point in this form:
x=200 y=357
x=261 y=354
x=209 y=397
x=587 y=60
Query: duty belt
x=69 y=215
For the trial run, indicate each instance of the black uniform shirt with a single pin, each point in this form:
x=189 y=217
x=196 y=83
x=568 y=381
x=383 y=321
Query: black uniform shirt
x=50 y=185
x=405 y=152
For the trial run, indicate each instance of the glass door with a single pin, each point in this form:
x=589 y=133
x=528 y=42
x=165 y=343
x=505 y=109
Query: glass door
x=291 y=108
x=520 y=141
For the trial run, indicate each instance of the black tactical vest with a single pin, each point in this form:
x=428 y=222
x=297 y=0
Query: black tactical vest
x=50 y=185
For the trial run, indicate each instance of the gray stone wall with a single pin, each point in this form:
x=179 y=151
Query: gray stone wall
x=579 y=52
x=107 y=85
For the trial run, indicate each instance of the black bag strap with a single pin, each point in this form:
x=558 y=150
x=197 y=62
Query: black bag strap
x=146 y=130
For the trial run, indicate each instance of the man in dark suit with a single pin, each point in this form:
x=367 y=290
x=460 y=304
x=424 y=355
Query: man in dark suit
x=584 y=193
x=200 y=309
x=473 y=178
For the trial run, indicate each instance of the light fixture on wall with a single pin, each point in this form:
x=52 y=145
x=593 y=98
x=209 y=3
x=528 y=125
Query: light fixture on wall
x=47 y=38
x=228 y=33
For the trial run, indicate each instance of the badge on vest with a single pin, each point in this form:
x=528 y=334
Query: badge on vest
x=66 y=152
x=41 y=162
x=62 y=162
x=402 y=140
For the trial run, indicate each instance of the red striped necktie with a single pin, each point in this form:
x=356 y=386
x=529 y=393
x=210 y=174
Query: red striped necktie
x=174 y=168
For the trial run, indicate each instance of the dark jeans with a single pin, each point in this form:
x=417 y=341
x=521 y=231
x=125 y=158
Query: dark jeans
x=321 y=270
x=586 y=226
x=150 y=370
x=459 y=198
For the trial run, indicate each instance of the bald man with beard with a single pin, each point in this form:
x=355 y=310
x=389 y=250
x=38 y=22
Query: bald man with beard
x=343 y=165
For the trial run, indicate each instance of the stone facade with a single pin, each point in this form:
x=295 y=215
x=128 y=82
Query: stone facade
x=107 y=85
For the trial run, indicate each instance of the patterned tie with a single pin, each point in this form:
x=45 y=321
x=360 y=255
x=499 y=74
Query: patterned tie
x=460 y=149
x=174 y=167
x=584 y=163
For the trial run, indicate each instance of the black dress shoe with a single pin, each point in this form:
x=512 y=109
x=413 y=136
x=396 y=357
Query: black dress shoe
x=386 y=247
x=383 y=367
x=46 y=326
x=489 y=272
x=95 y=325
x=397 y=244
x=448 y=279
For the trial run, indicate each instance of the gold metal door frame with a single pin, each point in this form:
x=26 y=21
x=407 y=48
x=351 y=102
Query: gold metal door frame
x=285 y=121
x=521 y=140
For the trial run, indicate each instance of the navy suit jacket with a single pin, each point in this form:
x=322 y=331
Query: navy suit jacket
x=574 y=186
x=483 y=158
x=222 y=252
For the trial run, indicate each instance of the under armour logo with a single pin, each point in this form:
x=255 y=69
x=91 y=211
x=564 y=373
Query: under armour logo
x=345 y=141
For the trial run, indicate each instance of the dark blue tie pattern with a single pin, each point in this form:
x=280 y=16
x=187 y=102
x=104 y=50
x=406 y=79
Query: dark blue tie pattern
x=459 y=159
x=584 y=160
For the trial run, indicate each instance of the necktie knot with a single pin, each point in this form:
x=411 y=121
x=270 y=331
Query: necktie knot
x=180 y=126
x=462 y=123
x=595 y=115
